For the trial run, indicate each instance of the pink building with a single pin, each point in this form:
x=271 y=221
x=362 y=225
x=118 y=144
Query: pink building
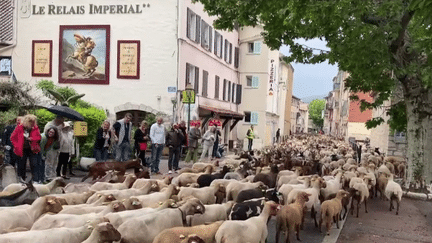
x=208 y=60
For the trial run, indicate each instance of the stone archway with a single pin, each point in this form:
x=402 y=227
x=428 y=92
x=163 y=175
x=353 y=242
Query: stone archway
x=134 y=108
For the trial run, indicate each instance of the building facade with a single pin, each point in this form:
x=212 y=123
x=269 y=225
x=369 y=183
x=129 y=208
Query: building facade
x=267 y=82
x=208 y=60
x=343 y=117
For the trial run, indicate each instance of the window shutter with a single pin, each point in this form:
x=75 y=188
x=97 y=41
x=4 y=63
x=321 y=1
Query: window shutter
x=217 y=87
x=216 y=52
x=257 y=47
x=236 y=57
x=203 y=33
x=188 y=23
x=210 y=41
x=198 y=28
x=205 y=83
x=230 y=53
x=226 y=50
x=229 y=91
x=224 y=89
x=221 y=47
x=254 y=118
x=187 y=74
x=239 y=94
x=196 y=80
x=233 y=93
x=255 y=82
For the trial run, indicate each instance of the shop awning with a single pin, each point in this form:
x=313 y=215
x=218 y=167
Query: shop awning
x=223 y=113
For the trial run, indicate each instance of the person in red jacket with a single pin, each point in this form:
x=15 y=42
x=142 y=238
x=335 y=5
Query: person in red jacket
x=25 y=139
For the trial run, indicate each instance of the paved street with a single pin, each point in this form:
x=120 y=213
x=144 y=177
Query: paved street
x=413 y=224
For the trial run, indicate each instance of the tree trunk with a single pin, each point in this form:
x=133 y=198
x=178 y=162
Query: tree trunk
x=419 y=135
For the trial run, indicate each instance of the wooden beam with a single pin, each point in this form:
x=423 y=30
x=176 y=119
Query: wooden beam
x=234 y=124
x=225 y=122
x=206 y=119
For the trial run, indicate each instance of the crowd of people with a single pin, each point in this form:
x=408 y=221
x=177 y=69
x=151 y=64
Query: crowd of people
x=50 y=153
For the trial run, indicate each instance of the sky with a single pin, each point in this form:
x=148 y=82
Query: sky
x=312 y=79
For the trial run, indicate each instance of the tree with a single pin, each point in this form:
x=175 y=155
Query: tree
x=60 y=95
x=383 y=44
x=316 y=108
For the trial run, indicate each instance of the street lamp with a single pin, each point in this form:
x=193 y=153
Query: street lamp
x=189 y=97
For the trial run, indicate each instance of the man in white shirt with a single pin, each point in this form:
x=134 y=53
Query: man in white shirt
x=157 y=136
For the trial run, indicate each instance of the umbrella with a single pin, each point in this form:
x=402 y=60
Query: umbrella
x=67 y=112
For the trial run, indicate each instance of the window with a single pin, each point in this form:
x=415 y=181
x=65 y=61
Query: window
x=233 y=93
x=217 y=87
x=5 y=66
x=238 y=94
x=193 y=26
x=254 y=47
x=226 y=47
x=224 y=89
x=218 y=43
x=247 y=117
x=252 y=81
x=249 y=81
x=230 y=53
x=205 y=83
x=192 y=76
x=236 y=57
x=206 y=36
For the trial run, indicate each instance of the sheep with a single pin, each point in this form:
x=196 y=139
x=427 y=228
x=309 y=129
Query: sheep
x=175 y=235
x=48 y=221
x=128 y=182
x=384 y=169
x=75 y=198
x=193 y=238
x=314 y=203
x=42 y=190
x=25 y=217
x=153 y=200
x=188 y=178
x=393 y=192
x=287 y=188
x=233 y=188
x=291 y=217
x=381 y=185
x=103 y=232
x=99 y=168
x=207 y=195
x=360 y=193
x=118 y=218
x=269 y=179
x=283 y=179
x=253 y=230
x=212 y=213
x=331 y=210
x=161 y=183
x=269 y=194
x=332 y=186
x=125 y=193
x=145 y=228
x=206 y=179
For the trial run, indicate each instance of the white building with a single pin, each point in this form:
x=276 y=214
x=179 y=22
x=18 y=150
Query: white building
x=264 y=92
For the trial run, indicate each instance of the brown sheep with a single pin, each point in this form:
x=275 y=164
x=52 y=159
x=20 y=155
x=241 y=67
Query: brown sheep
x=291 y=217
x=331 y=210
x=176 y=235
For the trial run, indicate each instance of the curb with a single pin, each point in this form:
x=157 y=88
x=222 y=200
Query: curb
x=418 y=196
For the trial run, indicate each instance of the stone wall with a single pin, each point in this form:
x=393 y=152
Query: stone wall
x=397 y=146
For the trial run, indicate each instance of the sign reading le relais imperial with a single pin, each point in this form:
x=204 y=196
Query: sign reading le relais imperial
x=52 y=9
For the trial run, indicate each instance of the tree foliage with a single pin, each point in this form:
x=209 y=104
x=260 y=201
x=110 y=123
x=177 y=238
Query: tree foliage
x=316 y=108
x=384 y=45
x=60 y=95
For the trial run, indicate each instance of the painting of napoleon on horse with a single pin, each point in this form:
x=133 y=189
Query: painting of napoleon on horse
x=84 y=54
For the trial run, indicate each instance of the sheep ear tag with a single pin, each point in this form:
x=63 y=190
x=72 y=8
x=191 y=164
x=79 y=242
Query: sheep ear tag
x=262 y=202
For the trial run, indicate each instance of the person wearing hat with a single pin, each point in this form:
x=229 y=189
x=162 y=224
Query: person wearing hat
x=66 y=150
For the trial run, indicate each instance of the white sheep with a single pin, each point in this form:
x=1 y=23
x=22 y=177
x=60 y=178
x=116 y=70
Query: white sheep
x=393 y=192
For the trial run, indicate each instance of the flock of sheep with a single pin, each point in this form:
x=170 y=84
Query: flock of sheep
x=228 y=201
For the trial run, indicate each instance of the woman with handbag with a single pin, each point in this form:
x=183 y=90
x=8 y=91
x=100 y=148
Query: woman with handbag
x=25 y=139
x=141 y=138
